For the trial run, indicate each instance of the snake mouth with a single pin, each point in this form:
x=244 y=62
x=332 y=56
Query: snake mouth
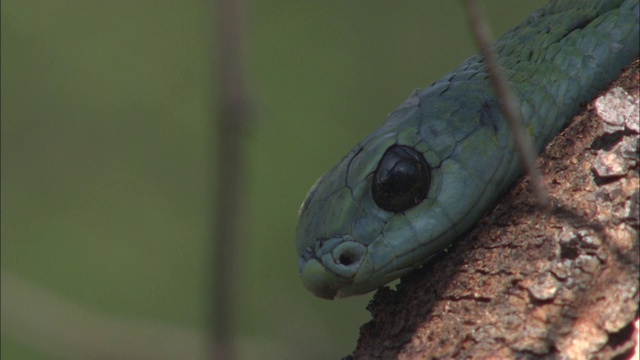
x=326 y=274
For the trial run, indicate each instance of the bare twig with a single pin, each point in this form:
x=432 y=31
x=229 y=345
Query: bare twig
x=510 y=108
x=232 y=120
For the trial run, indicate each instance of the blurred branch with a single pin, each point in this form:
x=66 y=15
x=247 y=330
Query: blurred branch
x=510 y=107
x=232 y=120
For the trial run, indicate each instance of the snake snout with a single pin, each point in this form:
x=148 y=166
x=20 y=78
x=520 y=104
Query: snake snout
x=327 y=274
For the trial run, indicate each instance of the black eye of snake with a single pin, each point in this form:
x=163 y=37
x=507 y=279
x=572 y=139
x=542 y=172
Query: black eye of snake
x=401 y=180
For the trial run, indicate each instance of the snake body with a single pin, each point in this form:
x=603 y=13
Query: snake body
x=446 y=155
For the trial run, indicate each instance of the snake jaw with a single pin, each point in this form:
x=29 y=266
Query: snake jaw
x=321 y=281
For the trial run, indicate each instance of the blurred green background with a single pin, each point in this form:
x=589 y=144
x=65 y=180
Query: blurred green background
x=107 y=163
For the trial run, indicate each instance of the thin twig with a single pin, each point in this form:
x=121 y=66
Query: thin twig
x=510 y=108
x=233 y=117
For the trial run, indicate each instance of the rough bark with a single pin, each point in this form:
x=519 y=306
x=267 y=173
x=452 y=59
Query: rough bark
x=556 y=283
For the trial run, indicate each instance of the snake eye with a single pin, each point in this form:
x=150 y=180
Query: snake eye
x=401 y=180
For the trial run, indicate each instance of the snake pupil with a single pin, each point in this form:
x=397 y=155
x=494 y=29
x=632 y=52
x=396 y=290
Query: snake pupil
x=401 y=180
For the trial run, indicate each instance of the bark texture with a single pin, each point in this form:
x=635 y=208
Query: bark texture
x=525 y=283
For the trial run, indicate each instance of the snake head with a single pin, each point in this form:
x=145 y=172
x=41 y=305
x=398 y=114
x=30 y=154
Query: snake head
x=353 y=232
x=396 y=199
x=352 y=228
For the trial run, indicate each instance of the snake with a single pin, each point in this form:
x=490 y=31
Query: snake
x=446 y=155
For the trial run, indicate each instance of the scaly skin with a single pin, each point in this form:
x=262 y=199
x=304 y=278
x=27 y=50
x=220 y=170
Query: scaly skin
x=560 y=57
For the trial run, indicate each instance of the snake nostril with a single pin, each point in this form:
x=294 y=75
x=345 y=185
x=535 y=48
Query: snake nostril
x=348 y=257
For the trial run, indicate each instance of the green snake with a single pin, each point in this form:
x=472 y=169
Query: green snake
x=446 y=155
